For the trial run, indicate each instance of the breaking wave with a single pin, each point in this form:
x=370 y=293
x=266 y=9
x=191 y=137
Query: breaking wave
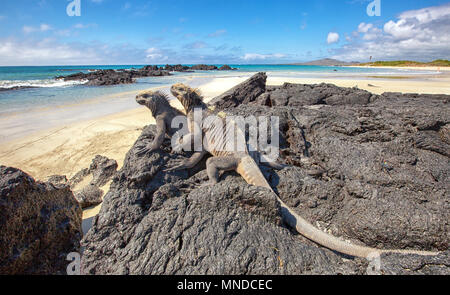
x=5 y=84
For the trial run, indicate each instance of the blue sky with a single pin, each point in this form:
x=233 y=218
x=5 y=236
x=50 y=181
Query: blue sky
x=39 y=32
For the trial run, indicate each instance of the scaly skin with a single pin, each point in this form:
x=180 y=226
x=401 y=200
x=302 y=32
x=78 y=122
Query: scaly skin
x=157 y=102
x=245 y=165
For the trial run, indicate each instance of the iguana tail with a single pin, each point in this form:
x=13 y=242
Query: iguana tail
x=250 y=171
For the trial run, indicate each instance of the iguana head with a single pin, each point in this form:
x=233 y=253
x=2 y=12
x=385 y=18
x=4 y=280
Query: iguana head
x=189 y=98
x=156 y=101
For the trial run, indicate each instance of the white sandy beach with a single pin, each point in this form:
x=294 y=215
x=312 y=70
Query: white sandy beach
x=66 y=149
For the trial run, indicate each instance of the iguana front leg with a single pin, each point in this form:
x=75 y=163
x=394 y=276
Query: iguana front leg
x=216 y=164
x=159 y=138
x=187 y=163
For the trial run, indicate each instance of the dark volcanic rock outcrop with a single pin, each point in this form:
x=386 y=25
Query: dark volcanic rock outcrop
x=226 y=68
x=100 y=172
x=295 y=95
x=177 y=68
x=112 y=77
x=89 y=195
x=58 y=181
x=370 y=169
x=39 y=225
x=102 y=169
x=203 y=68
x=157 y=223
x=116 y=77
x=242 y=94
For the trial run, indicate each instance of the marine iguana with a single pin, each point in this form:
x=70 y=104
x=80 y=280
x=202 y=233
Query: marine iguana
x=245 y=165
x=163 y=113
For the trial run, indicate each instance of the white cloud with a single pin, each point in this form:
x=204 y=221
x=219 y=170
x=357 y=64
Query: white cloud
x=427 y=14
x=196 y=45
x=49 y=51
x=370 y=31
x=257 y=56
x=155 y=55
x=41 y=53
x=364 y=28
x=84 y=26
x=63 y=33
x=401 y=29
x=28 y=29
x=41 y=28
x=45 y=27
x=332 y=38
x=217 y=33
x=417 y=35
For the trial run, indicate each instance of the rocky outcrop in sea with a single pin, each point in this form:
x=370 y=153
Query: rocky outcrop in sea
x=116 y=77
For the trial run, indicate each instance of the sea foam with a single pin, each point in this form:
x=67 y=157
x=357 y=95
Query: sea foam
x=39 y=83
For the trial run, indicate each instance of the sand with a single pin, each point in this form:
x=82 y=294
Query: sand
x=67 y=149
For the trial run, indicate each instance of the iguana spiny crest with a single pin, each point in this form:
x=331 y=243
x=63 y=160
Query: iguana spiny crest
x=188 y=97
x=156 y=101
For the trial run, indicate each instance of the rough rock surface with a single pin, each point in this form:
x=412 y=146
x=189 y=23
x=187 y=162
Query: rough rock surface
x=295 y=95
x=39 y=225
x=90 y=195
x=372 y=170
x=58 y=181
x=102 y=169
x=101 y=172
x=242 y=94
x=157 y=223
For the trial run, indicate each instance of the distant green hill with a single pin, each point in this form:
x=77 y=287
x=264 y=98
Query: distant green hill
x=408 y=63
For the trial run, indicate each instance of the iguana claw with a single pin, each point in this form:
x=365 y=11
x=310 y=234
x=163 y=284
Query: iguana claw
x=179 y=165
x=141 y=151
x=145 y=150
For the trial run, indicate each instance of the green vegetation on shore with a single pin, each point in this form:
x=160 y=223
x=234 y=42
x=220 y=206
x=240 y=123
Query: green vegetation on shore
x=408 y=63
